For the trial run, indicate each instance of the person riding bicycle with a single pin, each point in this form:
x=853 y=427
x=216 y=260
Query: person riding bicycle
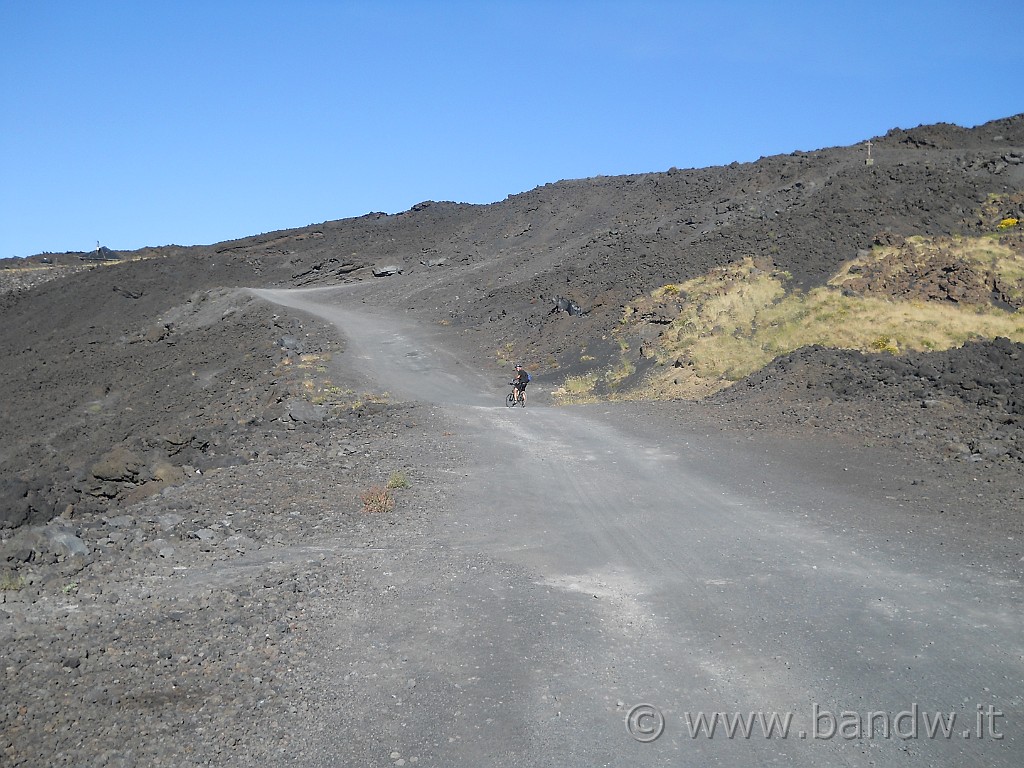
x=519 y=382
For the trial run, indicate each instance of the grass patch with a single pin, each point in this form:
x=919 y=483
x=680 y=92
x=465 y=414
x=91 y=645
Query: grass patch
x=313 y=362
x=305 y=377
x=506 y=354
x=12 y=583
x=584 y=388
x=722 y=326
x=616 y=375
x=577 y=389
x=376 y=398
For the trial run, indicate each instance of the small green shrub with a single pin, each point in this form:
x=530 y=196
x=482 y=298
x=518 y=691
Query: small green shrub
x=886 y=344
x=670 y=290
x=398 y=480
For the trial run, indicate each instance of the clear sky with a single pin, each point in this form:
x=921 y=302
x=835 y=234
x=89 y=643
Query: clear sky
x=148 y=123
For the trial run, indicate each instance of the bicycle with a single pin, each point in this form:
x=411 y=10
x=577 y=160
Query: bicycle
x=512 y=401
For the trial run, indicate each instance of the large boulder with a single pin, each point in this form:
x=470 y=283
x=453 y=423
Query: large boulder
x=26 y=502
x=305 y=412
x=118 y=465
x=14 y=504
x=57 y=538
x=562 y=304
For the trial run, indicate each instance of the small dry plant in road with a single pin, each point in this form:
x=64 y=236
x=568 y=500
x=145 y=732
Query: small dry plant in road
x=377 y=498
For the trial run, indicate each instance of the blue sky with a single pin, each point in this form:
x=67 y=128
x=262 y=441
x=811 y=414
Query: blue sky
x=145 y=123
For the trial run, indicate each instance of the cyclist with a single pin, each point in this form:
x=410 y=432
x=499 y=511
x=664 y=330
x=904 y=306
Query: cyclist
x=519 y=382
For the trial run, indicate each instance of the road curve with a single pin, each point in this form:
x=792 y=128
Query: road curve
x=596 y=588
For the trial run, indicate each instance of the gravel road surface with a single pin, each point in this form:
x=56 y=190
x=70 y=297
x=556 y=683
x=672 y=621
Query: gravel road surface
x=598 y=580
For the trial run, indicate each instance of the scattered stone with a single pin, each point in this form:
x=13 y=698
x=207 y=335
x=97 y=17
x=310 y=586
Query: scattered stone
x=59 y=539
x=169 y=520
x=239 y=543
x=305 y=412
x=291 y=343
x=161 y=548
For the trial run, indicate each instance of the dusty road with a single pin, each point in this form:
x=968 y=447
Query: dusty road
x=589 y=561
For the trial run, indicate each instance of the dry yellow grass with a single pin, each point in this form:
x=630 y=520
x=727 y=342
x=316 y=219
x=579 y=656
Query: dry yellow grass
x=736 y=319
x=577 y=389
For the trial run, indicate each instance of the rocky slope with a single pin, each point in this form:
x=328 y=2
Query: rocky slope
x=119 y=376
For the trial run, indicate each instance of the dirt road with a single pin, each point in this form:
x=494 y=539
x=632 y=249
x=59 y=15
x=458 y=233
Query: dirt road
x=599 y=588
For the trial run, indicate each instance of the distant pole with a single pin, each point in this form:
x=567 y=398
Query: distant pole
x=870 y=160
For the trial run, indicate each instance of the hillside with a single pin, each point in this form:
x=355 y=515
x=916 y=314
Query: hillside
x=151 y=355
x=197 y=563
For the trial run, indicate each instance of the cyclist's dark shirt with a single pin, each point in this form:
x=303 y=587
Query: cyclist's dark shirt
x=521 y=380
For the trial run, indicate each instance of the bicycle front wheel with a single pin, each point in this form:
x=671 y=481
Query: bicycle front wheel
x=510 y=401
